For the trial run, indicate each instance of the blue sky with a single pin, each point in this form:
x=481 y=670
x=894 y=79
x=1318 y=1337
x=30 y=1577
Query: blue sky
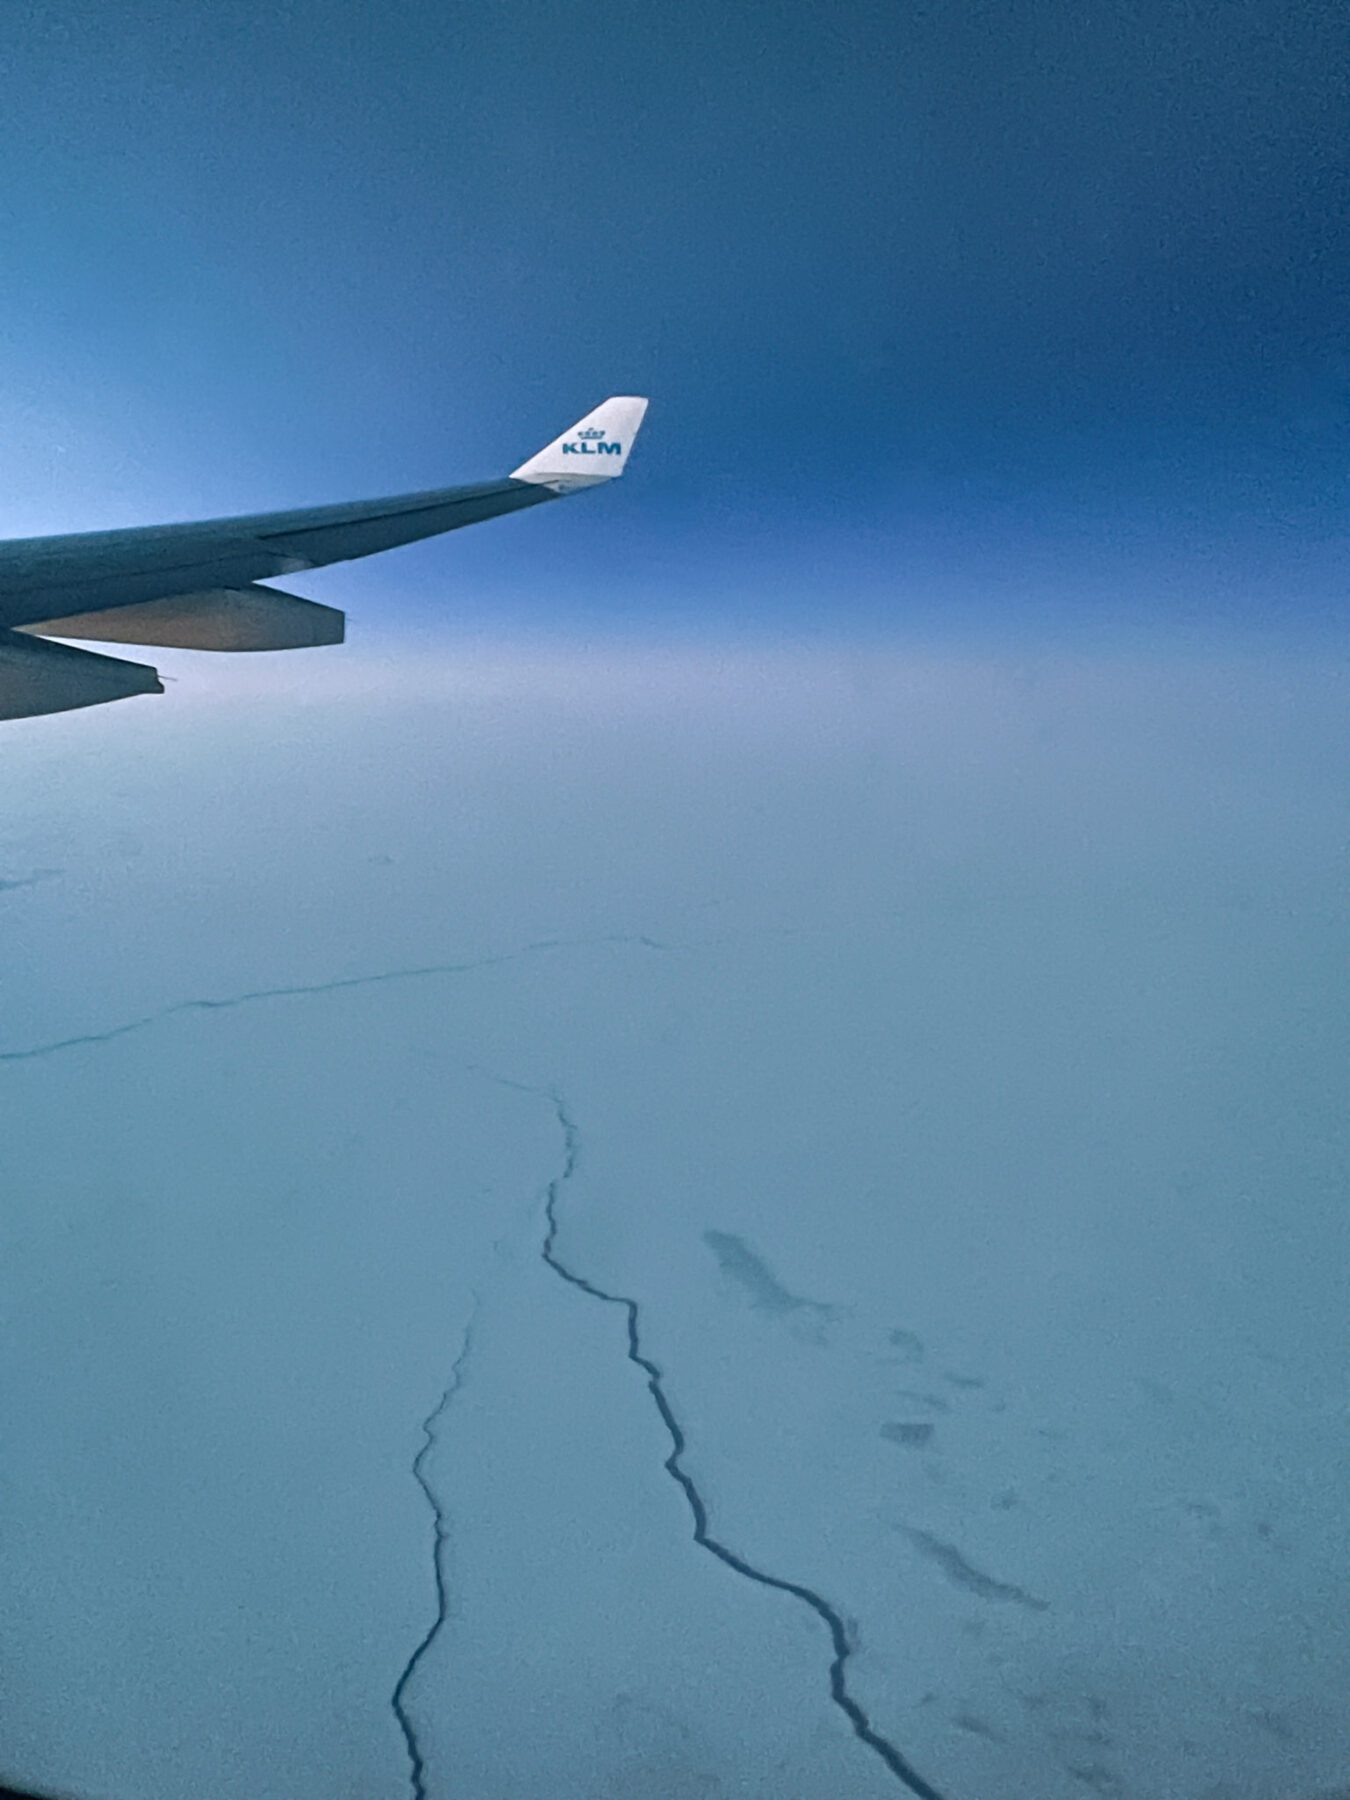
x=949 y=314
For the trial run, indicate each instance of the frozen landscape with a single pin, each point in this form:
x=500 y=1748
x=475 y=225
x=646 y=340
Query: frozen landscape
x=666 y=1223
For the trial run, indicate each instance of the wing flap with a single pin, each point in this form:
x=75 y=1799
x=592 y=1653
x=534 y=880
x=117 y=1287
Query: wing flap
x=37 y=677
x=247 y=618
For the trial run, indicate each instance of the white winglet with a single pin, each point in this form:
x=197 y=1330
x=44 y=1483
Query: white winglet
x=594 y=450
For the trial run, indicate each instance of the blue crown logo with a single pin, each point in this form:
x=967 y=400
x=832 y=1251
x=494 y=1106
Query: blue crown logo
x=590 y=434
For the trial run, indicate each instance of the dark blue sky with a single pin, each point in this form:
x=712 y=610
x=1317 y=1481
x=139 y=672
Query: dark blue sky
x=982 y=310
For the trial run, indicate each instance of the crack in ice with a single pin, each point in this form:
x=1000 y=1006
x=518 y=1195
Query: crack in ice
x=862 y=1726
x=440 y=1538
x=300 y=990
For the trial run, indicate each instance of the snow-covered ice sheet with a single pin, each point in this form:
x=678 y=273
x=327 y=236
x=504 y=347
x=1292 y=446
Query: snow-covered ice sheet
x=533 y=1217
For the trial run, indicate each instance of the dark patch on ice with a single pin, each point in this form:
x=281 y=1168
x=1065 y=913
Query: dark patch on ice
x=660 y=1752
x=11 y=885
x=913 y=1434
x=965 y=1721
x=1067 y=1702
x=1200 y=1509
x=626 y=1708
x=1092 y=1739
x=1206 y=1517
x=1275 y=1723
x=1035 y=1701
x=736 y=1259
x=1096 y=1776
x=1006 y=1501
x=908 y=1343
x=1087 y=1735
x=965 y=1575
x=963 y=1381
x=934 y=1402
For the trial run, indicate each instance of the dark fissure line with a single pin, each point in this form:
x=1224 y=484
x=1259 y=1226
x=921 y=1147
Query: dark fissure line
x=440 y=1538
x=300 y=990
x=857 y=1718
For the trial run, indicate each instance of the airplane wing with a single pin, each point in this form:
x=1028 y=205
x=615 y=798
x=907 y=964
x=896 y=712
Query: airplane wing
x=201 y=586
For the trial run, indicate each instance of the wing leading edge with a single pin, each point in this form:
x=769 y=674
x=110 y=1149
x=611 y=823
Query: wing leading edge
x=197 y=586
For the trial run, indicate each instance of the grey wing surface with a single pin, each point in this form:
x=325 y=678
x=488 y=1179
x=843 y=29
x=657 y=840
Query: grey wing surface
x=200 y=586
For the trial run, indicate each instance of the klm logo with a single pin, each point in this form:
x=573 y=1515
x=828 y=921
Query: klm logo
x=592 y=443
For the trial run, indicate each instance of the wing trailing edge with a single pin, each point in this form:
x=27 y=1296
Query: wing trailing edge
x=37 y=677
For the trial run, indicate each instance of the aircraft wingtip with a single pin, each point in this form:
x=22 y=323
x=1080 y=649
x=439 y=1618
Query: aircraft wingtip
x=593 y=450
